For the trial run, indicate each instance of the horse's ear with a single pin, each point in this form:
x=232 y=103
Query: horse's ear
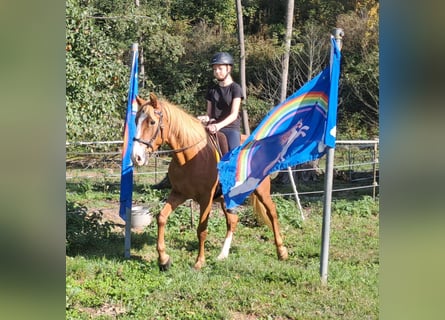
x=154 y=100
x=140 y=101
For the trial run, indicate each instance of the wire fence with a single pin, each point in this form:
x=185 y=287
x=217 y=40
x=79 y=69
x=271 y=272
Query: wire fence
x=356 y=169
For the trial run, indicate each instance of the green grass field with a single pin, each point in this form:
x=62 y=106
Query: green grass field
x=250 y=284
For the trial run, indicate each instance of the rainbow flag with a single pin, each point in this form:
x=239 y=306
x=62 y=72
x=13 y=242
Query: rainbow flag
x=126 y=190
x=296 y=131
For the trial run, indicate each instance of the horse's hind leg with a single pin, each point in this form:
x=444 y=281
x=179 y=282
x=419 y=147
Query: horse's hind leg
x=231 y=222
x=173 y=201
x=263 y=194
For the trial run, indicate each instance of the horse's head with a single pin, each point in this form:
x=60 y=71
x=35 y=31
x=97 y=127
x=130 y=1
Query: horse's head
x=149 y=129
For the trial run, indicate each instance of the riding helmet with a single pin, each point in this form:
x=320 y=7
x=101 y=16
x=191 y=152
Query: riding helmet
x=222 y=58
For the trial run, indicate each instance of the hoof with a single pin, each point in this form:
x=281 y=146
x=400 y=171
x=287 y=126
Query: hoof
x=282 y=253
x=221 y=257
x=166 y=266
x=198 y=265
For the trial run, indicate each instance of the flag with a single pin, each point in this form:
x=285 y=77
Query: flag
x=126 y=190
x=295 y=131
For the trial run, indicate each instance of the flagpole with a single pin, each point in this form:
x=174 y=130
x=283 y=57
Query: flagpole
x=127 y=240
x=338 y=34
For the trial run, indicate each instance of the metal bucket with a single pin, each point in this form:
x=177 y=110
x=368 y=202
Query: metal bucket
x=140 y=217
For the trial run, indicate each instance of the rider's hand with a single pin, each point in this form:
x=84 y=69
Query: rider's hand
x=204 y=119
x=212 y=128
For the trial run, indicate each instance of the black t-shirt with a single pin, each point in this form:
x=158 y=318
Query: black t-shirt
x=221 y=98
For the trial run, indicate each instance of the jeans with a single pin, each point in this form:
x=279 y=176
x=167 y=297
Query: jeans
x=233 y=137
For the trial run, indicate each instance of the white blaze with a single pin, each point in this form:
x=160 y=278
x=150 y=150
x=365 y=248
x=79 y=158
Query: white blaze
x=138 y=152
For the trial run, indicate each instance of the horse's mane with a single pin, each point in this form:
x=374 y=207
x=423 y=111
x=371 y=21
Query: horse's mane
x=187 y=129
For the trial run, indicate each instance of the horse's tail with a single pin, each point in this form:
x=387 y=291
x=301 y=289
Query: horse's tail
x=260 y=210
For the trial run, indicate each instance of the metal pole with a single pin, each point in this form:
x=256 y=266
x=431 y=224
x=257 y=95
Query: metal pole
x=326 y=216
x=338 y=35
x=350 y=163
x=374 y=169
x=294 y=187
x=127 y=241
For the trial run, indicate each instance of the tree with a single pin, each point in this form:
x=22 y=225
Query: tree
x=95 y=78
x=361 y=69
x=99 y=35
x=310 y=54
x=287 y=43
x=239 y=11
x=177 y=38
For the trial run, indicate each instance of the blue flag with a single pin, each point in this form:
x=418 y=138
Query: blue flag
x=296 y=131
x=126 y=191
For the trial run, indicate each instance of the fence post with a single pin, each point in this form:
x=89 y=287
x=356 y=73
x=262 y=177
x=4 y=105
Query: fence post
x=374 y=168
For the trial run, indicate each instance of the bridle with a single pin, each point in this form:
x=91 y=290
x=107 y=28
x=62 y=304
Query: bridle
x=159 y=129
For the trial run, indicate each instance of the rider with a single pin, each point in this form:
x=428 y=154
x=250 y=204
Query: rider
x=224 y=101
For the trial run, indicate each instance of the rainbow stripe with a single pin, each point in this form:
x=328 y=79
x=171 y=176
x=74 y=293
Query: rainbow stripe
x=288 y=109
x=274 y=121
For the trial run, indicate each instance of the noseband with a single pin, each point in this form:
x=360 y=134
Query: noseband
x=159 y=129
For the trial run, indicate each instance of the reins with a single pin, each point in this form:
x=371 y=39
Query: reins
x=215 y=141
x=174 y=150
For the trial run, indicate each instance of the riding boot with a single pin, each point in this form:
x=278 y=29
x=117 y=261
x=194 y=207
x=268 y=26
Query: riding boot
x=163 y=184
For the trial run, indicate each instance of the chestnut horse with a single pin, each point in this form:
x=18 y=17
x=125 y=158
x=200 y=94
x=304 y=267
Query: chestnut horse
x=193 y=173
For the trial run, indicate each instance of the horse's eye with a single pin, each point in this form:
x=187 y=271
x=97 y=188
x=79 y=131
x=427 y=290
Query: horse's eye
x=152 y=122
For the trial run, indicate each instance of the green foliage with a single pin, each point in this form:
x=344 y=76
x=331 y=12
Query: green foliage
x=95 y=79
x=177 y=39
x=323 y=12
x=257 y=110
x=220 y=13
x=364 y=207
x=360 y=68
x=351 y=126
x=288 y=212
x=97 y=64
x=83 y=229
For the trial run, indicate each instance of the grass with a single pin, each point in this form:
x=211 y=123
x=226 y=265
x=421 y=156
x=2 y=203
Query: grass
x=250 y=284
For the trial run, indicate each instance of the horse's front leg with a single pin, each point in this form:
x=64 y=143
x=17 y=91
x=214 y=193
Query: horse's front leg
x=173 y=201
x=231 y=222
x=205 y=207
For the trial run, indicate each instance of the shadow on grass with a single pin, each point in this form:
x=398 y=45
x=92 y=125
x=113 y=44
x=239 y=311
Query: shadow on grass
x=88 y=235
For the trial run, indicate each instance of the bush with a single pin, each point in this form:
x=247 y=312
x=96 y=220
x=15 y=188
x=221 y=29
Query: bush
x=83 y=230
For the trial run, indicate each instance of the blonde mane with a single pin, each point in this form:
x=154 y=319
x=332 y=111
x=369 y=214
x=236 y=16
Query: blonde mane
x=187 y=129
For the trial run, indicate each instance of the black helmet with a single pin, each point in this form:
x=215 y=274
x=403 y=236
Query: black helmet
x=222 y=58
